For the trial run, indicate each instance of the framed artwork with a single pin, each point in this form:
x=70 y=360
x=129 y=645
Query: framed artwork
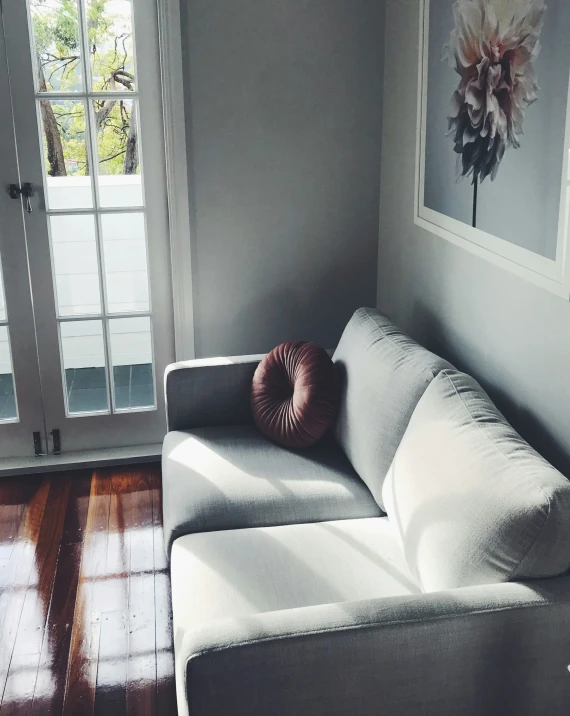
x=493 y=138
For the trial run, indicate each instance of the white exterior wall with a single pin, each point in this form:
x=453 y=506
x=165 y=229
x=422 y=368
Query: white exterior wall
x=74 y=192
x=76 y=271
x=130 y=341
x=5 y=362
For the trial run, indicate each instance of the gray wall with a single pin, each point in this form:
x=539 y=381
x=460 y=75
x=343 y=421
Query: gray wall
x=284 y=109
x=509 y=334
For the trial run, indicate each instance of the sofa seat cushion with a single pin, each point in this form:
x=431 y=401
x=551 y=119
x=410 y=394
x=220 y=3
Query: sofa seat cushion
x=222 y=478
x=237 y=573
x=382 y=373
x=473 y=502
x=224 y=578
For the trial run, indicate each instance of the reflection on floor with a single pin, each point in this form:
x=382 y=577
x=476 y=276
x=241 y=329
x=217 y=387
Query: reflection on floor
x=85 y=617
x=7 y=400
x=86 y=388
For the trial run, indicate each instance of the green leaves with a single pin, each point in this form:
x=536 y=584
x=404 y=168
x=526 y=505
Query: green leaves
x=111 y=59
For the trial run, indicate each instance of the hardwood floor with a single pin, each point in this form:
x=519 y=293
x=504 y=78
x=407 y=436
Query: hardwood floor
x=85 y=617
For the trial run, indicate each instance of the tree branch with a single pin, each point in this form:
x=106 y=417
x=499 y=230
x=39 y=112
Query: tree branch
x=114 y=156
x=102 y=114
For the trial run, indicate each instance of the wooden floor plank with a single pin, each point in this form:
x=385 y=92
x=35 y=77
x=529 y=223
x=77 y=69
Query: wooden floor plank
x=14 y=495
x=52 y=672
x=11 y=495
x=11 y=511
x=141 y=675
x=78 y=505
x=85 y=616
x=81 y=675
x=24 y=664
x=21 y=571
x=165 y=689
x=50 y=685
x=111 y=694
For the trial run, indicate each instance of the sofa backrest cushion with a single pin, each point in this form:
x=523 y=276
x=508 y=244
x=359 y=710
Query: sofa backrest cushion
x=383 y=373
x=472 y=501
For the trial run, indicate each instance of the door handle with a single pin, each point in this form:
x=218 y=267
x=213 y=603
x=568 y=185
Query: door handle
x=26 y=190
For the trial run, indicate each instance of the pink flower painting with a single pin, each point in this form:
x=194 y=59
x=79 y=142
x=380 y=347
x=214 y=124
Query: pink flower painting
x=493 y=49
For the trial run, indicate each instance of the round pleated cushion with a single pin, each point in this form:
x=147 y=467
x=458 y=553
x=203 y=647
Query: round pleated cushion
x=295 y=394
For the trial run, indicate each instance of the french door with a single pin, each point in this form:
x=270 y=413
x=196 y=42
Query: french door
x=87 y=327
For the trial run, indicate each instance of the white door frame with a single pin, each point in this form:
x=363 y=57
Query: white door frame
x=121 y=429
x=16 y=437
x=179 y=189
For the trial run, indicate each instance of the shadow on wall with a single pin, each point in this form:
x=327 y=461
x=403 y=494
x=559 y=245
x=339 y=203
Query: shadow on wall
x=315 y=306
x=429 y=331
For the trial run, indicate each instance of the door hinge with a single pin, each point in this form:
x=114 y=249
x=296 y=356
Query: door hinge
x=38 y=444
x=56 y=438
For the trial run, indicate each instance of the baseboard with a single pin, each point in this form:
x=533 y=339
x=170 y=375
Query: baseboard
x=81 y=459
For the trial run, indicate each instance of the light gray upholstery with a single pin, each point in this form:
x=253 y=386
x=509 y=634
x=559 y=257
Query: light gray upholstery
x=383 y=375
x=473 y=502
x=235 y=574
x=293 y=596
x=232 y=477
x=210 y=391
x=495 y=650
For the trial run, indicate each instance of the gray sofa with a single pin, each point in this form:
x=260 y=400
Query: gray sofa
x=411 y=563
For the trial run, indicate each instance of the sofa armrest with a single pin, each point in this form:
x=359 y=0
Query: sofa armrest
x=210 y=391
x=477 y=650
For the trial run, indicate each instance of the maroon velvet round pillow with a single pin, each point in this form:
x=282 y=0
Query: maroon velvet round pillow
x=294 y=396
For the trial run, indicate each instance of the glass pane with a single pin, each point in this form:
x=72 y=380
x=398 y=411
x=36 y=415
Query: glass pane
x=7 y=396
x=66 y=162
x=110 y=28
x=83 y=353
x=74 y=250
x=124 y=250
x=3 y=315
x=57 y=44
x=120 y=181
x=131 y=356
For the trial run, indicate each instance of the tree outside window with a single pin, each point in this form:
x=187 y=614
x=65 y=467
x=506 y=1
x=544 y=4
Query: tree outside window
x=111 y=59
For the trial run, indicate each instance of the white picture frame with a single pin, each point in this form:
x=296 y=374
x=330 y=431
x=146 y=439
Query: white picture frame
x=552 y=275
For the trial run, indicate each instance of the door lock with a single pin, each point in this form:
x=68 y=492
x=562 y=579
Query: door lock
x=26 y=190
x=56 y=437
x=37 y=436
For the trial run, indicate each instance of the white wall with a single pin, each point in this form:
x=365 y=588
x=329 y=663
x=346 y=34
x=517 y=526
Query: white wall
x=283 y=108
x=511 y=335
